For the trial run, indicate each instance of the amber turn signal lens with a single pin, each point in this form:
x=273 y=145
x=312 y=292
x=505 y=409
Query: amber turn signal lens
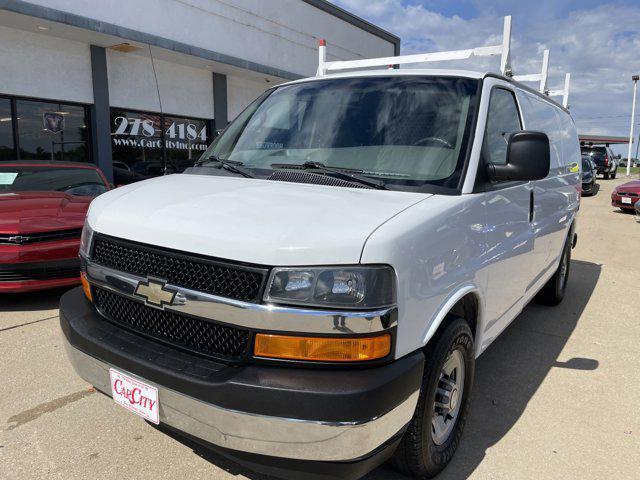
x=319 y=349
x=85 y=286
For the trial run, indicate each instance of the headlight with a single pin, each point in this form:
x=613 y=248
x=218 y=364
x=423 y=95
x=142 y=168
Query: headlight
x=342 y=287
x=85 y=239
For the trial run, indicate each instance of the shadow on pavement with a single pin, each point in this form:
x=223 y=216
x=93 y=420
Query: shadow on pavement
x=508 y=374
x=624 y=212
x=32 y=301
x=211 y=456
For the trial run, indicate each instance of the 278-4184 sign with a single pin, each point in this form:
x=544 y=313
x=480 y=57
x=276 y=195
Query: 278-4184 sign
x=136 y=127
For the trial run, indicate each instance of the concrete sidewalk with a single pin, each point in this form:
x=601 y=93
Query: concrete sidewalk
x=557 y=396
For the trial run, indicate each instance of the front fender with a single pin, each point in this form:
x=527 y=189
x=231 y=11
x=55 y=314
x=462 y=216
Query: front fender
x=441 y=313
x=438 y=250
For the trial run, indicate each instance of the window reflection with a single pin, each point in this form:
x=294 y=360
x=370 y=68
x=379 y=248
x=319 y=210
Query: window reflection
x=52 y=131
x=6 y=130
x=141 y=141
x=502 y=121
x=185 y=140
x=136 y=142
x=409 y=131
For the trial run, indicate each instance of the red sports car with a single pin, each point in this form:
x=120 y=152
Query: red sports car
x=626 y=195
x=42 y=209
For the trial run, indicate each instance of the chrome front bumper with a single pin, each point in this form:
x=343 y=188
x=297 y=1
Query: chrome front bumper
x=260 y=434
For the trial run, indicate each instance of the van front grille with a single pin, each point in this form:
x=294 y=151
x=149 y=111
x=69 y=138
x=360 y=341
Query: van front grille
x=217 y=277
x=193 y=334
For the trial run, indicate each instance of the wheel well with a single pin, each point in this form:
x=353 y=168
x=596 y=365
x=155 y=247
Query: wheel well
x=467 y=308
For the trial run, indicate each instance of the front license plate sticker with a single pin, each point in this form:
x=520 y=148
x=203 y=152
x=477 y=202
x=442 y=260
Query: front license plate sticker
x=134 y=395
x=626 y=200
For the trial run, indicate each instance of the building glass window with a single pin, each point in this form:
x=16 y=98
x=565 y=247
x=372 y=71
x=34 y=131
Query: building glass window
x=137 y=142
x=6 y=130
x=185 y=140
x=147 y=144
x=52 y=131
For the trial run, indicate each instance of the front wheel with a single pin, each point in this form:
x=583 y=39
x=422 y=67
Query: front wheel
x=613 y=175
x=606 y=176
x=435 y=430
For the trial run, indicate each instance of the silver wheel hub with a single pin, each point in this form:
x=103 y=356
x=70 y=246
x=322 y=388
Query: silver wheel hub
x=448 y=397
x=453 y=399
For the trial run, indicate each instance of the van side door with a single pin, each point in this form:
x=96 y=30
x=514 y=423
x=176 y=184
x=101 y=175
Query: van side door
x=509 y=233
x=556 y=197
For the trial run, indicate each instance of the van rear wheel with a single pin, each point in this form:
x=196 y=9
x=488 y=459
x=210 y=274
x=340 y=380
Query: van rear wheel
x=435 y=430
x=553 y=291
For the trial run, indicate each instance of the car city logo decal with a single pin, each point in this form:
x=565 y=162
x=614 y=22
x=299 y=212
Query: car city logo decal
x=155 y=292
x=133 y=395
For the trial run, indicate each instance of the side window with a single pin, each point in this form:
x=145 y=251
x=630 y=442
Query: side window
x=502 y=121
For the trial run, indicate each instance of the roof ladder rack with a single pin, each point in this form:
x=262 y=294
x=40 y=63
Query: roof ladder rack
x=538 y=77
x=564 y=92
x=325 y=67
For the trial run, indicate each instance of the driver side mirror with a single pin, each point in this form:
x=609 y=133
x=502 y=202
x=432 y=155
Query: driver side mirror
x=528 y=158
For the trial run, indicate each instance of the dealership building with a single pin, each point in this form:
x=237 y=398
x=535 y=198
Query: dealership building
x=141 y=86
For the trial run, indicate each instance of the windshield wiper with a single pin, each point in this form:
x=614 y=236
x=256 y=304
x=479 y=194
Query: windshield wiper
x=229 y=165
x=345 y=173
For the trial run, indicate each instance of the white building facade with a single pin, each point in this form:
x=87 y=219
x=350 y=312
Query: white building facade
x=141 y=86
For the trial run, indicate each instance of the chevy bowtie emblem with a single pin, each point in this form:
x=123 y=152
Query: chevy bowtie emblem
x=155 y=292
x=18 y=239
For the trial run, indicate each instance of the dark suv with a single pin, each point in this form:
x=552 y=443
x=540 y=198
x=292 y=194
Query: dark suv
x=604 y=159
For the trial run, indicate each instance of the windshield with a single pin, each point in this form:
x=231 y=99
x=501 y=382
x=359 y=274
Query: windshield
x=407 y=131
x=73 y=181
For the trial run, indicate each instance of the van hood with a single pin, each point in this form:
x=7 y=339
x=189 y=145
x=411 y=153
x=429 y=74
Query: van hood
x=256 y=221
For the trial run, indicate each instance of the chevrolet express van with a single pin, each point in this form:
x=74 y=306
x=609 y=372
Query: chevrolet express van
x=310 y=299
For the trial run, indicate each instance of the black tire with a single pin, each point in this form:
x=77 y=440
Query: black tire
x=417 y=454
x=615 y=172
x=553 y=291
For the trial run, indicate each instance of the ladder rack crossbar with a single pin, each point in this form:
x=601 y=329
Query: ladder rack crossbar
x=538 y=77
x=503 y=50
x=532 y=77
x=418 y=58
x=564 y=92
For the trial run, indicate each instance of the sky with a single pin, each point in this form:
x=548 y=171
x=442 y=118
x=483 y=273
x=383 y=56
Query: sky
x=597 y=41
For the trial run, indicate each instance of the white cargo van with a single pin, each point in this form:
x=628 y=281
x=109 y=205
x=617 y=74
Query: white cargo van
x=311 y=298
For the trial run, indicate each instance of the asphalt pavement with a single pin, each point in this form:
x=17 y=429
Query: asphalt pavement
x=557 y=396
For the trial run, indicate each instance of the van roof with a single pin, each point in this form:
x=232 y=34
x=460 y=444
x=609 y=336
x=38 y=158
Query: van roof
x=425 y=72
x=394 y=72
